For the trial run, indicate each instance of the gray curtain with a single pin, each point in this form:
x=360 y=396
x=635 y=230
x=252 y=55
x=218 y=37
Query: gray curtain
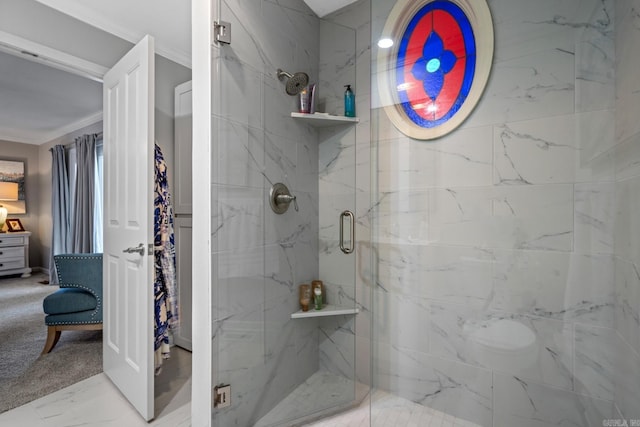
x=60 y=208
x=82 y=228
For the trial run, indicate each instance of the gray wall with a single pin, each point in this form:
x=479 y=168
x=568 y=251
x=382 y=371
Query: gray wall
x=30 y=156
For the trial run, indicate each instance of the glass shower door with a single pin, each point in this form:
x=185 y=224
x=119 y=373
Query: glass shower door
x=283 y=365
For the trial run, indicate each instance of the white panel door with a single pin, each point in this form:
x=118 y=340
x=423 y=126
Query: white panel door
x=184 y=241
x=183 y=210
x=183 y=149
x=128 y=93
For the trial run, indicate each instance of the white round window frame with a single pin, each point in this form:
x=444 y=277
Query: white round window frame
x=479 y=15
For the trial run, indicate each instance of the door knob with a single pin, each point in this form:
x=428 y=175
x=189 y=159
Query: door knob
x=139 y=249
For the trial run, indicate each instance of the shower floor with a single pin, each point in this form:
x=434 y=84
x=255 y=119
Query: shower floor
x=388 y=410
x=322 y=391
x=334 y=391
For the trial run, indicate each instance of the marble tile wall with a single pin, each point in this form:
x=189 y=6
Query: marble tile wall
x=498 y=247
x=259 y=257
x=626 y=240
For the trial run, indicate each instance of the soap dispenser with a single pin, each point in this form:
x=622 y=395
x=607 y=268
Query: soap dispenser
x=349 y=102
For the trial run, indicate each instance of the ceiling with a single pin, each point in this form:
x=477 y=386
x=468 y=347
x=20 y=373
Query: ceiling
x=168 y=21
x=325 y=7
x=39 y=103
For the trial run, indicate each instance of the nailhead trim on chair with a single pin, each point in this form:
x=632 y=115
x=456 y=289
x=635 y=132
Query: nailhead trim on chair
x=74 y=285
x=97 y=297
x=73 y=323
x=93 y=256
x=55 y=261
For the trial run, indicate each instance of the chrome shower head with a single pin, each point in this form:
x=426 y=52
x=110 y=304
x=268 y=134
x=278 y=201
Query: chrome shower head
x=295 y=82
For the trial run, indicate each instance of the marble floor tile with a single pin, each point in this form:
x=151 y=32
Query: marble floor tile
x=95 y=402
x=322 y=391
x=388 y=410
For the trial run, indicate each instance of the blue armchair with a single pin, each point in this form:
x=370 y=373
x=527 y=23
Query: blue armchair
x=77 y=305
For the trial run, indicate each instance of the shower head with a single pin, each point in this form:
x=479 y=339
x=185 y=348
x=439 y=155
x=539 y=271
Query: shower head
x=295 y=82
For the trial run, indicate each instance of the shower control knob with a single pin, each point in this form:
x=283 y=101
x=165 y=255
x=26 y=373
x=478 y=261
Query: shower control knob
x=286 y=199
x=280 y=198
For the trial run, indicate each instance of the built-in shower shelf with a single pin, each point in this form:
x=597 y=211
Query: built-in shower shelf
x=327 y=310
x=320 y=120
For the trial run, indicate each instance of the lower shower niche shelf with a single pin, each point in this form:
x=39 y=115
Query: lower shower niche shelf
x=327 y=310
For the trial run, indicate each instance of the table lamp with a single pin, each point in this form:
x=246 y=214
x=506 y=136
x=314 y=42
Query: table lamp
x=8 y=191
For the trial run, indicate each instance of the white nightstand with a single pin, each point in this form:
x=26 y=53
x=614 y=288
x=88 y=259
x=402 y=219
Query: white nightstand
x=14 y=253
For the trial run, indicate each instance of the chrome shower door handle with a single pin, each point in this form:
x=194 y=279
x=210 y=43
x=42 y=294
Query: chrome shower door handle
x=139 y=249
x=351 y=217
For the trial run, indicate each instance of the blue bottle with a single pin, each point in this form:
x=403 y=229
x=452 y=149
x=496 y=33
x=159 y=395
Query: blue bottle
x=349 y=102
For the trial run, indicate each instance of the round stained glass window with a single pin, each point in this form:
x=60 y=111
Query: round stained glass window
x=435 y=72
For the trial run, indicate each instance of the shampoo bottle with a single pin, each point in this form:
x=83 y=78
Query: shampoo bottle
x=317 y=298
x=312 y=90
x=305 y=101
x=349 y=102
x=318 y=284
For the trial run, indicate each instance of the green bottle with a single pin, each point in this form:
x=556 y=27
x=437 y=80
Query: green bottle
x=317 y=298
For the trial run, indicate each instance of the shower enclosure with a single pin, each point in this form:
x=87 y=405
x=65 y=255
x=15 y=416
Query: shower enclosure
x=284 y=365
x=494 y=278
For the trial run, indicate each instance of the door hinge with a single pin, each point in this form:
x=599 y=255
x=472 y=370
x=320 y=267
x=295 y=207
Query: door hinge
x=222 y=396
x=222 y=32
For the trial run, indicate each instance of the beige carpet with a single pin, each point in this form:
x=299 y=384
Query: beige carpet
x=24 y=374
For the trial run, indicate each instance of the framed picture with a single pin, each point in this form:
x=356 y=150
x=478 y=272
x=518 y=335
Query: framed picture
x=14 y=224
x=12 y=171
